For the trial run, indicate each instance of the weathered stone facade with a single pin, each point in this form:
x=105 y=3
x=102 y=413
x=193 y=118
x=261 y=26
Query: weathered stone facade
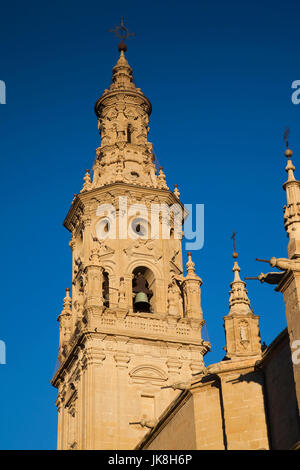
x=131 y=371
x=116 y=354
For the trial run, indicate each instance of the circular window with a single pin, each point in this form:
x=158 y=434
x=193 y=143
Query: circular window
x=139 y=228
x=103 y=228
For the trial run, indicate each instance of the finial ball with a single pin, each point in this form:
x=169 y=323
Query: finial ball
x=234 y=255
x=288 y=153
x=122 y=46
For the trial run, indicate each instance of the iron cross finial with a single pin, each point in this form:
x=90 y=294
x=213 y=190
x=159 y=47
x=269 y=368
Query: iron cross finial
x=121 y=31
x=235 y=255
x=286 y=136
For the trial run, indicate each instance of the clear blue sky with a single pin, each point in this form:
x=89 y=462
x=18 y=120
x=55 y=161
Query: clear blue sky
x=219 y=77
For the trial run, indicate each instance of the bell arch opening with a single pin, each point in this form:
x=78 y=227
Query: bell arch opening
x=105 y=289
x=143 y=290
x=129 y=133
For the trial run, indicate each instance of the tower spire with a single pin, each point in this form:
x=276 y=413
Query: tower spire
x=122 y=72
x=292 y=207
x=241 y=325
x=123 y=112
x=238 y=301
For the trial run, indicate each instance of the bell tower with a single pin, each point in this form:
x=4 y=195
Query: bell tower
x=133 y=324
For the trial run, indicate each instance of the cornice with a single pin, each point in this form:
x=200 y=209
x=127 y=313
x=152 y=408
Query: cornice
x=83 y=198
x=229 y=366
x=135 y=93
x=204 y=346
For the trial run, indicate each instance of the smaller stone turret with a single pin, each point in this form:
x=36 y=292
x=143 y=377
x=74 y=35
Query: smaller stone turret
x=65 y=323
x=241 y=325
x=192 y=291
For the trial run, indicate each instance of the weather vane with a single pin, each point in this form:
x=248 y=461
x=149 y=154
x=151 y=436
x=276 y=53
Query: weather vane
x=123 y=33
x=286 y=136
x=235 y=255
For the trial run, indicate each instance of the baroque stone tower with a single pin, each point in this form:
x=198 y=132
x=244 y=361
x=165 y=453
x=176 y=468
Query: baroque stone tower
x=132 y=328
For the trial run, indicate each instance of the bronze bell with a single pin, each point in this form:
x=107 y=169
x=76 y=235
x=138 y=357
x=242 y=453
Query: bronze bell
x=142 y=294
x=141 y=302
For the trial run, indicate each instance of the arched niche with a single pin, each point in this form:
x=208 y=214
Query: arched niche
x=110 y=284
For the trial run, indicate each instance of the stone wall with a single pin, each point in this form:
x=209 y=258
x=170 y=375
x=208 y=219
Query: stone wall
x=244 y=410
x=223 y=411
x=179 y=431
x=280 y=394
x=208 y=417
